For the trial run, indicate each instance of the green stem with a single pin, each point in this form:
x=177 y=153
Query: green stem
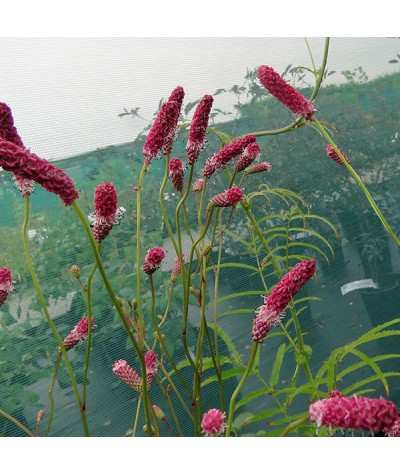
x=358 y=180
x=160 y=337
x=294 y=425
x=53 y=381
x=53 y=328
x=118 y=307
x=138 y=261
x=136 y=416
x=89 y=335
x=239 y=387
x=17 y=423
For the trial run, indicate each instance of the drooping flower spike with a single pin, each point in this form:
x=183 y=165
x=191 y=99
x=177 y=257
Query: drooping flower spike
x=221 y=158
x=29 y=166
x=198 y=128
x=6 y=284
x=106 y=212
x=8 y=130
x=258 y=168
x=357 y=413
x=78 y=333
x=270 y=313
x=130 y=377
x=163 y=129
x=153 y=260
x=176 y=171
x=176 y=271
x=127 y=374
x=213 y=422
x=230 y=197
x=330 y=151
x=285 y=93
x=250 y=153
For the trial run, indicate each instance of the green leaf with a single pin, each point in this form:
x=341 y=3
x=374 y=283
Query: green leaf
x=230 y=373
x=351 y=389
x=280 y=354
x=241 y=294
x=228 y=342
x=363 y=357
x=252 y=395
x=241 y=420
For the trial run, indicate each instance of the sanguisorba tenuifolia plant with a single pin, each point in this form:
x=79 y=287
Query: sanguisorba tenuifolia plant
x=263 y=224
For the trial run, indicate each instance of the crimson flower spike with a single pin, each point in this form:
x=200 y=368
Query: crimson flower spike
x=357 y=413
x=331 y=153
x=163 y=130
x=285 y=93
x=153 y=260
x=5 y=284
x=9 y=132
x=177 y=96
x=176 y=171
x=270 y=313
x=221 y=158
x=106 y=213
x=29 y=166
x=198 y=128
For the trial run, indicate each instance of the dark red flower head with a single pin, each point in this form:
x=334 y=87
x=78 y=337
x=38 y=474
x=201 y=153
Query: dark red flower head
x=285 y=93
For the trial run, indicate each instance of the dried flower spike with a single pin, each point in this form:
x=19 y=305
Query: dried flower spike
x=330 y=151
x=258 y=168
x=198 y=128
x=269 y=314
x=285 y=93
x=357 y=413
x=75 y=271
x=213 y=422
x=153 y=260
x=198 y=185
x=230 y=197
x=176 y=170
x=78 y=333
x=128 y=375
x=5 y=284
x=221 y=158
x=29 y=166
x=250 y=153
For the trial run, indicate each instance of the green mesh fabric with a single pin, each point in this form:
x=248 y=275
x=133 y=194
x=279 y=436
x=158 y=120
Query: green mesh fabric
x=358 y=288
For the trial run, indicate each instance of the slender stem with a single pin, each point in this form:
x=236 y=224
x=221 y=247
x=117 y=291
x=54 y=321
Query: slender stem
x=89 y=335
x=235 y=394
x=171 y=408
x=358 y=180
x=118 y=307
x=136 y=416
x=138 y=258
x=160 y=337
x=53 y=328
x=17 y=423
x=53 y=381
x=294 y=425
